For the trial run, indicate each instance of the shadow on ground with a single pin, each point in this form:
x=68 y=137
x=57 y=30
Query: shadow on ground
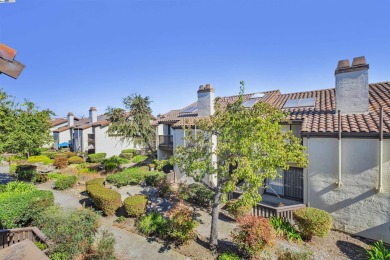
x=5 y=178
x=353 y=251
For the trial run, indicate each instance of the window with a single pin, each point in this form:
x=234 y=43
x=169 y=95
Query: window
x=302 y=102
x=249 y=103
x=289 y=184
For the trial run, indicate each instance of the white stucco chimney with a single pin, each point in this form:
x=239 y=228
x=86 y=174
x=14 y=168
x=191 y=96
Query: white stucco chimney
x=352 y=86
x=70 y=119
x=93 y=114
x=206 y=95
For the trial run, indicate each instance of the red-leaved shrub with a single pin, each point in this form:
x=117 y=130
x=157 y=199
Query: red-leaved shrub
x=181 y=224
x=253 y=234
x=60 y=162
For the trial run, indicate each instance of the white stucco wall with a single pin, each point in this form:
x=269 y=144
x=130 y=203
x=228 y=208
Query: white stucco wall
x=109 y=144
x=356 y=206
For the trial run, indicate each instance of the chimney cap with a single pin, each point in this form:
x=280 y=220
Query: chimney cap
x=359 y=61
x=92 y=109
x=206 y=88
x=343 y=64
x=70 y=114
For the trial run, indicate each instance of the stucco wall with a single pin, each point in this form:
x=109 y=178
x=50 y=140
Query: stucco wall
x=356 y=206
x=109 y=144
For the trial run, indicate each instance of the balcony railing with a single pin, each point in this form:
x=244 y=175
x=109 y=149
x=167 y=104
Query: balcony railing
x=9 y=237
x=165 y=141
x=284 y=212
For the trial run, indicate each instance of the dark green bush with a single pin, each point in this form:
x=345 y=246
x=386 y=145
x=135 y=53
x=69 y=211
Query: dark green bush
x=50 y=154
x=312 y=222
x=129 y=176
x=153 y=178
x=110 y=166
x=76 y=160
x=127 y=156
x=65 y=182
x=41 y=177
x=61 y=162
x=97 y=157
x=136 y=205
x=153 y=224
x=116 y=159
x=72 y=231
x=164 y=188
x=26 y=172
x=105 y=199
x=197 y=193
x=20 y=203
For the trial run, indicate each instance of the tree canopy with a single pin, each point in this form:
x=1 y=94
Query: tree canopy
x=24 y=128
x=249 y=144
x=134 y=122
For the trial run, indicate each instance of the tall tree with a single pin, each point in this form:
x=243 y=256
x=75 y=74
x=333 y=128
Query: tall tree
x=249 y=139
x=134 y=122
x=24 y=128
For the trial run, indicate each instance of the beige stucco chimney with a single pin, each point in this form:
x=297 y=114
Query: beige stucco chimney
x=206 y=95
x=70 y=119
x=352 y=86
x=93 y=114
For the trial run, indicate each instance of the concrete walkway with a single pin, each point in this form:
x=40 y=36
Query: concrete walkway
x=61 y=198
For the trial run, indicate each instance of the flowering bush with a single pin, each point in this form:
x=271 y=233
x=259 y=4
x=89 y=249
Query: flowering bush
x=253 y=235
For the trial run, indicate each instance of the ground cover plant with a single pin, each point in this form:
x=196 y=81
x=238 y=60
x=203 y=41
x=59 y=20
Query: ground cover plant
x=105 y=199
x=65 y=181
x=20 y=202
x=288 y=254
x=312 y=222
x=284 y=228
x=72 y=231
x=39 y=159
x=135 y=205
x=139 y=158
x=229 y=256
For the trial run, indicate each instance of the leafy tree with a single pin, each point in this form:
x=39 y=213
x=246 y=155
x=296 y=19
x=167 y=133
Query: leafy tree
x=251 y=147
x=134 y=122
x=24 y=128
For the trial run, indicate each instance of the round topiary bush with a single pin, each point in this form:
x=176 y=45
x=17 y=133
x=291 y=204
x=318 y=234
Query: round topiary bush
x=76 y=160
x=313 y=222
x=135 y=205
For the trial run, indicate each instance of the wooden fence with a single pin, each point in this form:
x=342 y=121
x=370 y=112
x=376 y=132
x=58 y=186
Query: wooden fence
x=9 y=237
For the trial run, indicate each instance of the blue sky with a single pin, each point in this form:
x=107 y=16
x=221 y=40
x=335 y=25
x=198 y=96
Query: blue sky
x=94 y=52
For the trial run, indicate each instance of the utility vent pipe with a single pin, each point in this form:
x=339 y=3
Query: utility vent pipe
x=380 y=151
x=339 y=183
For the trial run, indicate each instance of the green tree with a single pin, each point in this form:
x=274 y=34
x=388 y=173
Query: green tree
x=134 y=122
x=249 y=139
x=24 y=128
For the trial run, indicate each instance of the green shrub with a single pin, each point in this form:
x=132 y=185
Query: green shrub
x=76 y=160
x=72 y=231
x=129 y=176
x=41 y=177
x=54 y=176
x=312 y=222
x=60 y=155
x=60 y=162
x=237 y=209
x=288 y=254
x=139 y=158
x=70 y=154
x=378 y=251
x=12 y=167
x=153 y=178
x=26 y=172
x=285 y=229
x=105 y=199
x=127 y=156
x=253 y=235
x=164 y=188
x=116 y=159
x=104 y=247
x=197 y=193
x=153 y=223
x=229 y=256
x=20 y=202
x=40 y=245
x=49 y=154
x=65 y=182
x=181 y=224
x=97 y=157
x=60 y=256
x=135 y=205
x=128 y=151
x=110 y=166
x=39 y=159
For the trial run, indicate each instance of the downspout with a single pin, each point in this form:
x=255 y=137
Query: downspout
x=380 y=151
x=339 y=183
x=307 y=175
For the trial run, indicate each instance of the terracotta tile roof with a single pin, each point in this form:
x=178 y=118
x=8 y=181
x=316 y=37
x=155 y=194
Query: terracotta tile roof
x=178 y=120
x=323 y=118
x=8 y=64
x=85 y=123
x=58 y=121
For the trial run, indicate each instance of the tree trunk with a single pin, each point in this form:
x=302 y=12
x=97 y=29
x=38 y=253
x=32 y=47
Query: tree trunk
x=214 y=218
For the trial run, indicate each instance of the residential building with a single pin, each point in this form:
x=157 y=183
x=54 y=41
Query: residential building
x=89 y=134
x=346 y=132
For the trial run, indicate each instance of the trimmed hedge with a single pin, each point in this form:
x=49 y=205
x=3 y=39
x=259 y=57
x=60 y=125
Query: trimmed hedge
x=128 y=151
x=313 y=222
x=60 y=162
x=26 y=172
x=96 y=157
x=76 y=160
x=39 y=159
x=136 y=205
x=65 y=182
x=130 y=176
x=105 y=199
x=197 y=193
x=153 y=178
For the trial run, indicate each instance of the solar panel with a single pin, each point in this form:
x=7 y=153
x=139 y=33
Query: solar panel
x=189 y=110
x=257 y=95
x=249 y=103
x=291 y=103
x=307 y=102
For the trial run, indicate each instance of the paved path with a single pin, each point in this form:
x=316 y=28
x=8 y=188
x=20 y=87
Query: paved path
x=61 y=198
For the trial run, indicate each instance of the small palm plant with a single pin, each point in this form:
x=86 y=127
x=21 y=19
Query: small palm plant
x=378 y=251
